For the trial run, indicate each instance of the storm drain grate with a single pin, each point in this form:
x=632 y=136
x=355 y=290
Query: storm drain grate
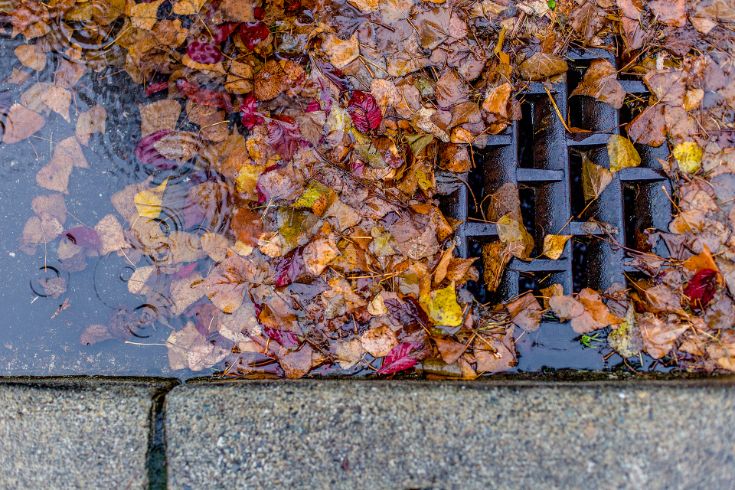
x=544 y=161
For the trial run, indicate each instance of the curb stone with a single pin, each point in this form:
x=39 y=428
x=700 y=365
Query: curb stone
x=352 y=434
x=75 y=433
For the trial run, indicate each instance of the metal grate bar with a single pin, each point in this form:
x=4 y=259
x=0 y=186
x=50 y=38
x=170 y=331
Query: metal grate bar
x=537 y=154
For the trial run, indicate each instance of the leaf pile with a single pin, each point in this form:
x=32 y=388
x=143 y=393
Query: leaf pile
x=326 y=125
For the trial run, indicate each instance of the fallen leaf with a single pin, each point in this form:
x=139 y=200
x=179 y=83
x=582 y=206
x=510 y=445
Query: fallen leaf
x=21 y=123
x=594 y=179
x=658 y=336
x=541 y=66
x=111 y=235
x=400 y=358
x=442 y=308
x=554 y=245
x=525 y=311
x=688 y=155
x=622 y=153
x=449 y=349
x=159 y=116
x=144 y=15
x=379 y=341
x=31 y=56
x=600 y=82
x=341 y=52
x=149 y=202
x=55 y=174
x=512 y=232
x=91 y=122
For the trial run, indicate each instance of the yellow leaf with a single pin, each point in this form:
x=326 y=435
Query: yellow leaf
x=513 y=233
x=143 y=15
x=442 y=308
x=149 y=201
x=594 y=179
x=689 y=156
x=554 y=245
x=188 y=7
x=622 y=153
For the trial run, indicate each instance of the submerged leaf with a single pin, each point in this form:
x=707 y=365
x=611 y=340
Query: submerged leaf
x=149 y=201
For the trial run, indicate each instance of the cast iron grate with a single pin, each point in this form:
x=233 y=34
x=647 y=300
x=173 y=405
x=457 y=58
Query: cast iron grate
x=544 y=161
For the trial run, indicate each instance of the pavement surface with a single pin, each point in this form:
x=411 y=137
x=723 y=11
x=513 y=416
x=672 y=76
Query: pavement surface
x=87 y=433
x=342 y=434
x=75 y=433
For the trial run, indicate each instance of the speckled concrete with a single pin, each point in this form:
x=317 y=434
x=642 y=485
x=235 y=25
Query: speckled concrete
x=75 y=434
x=418 y=435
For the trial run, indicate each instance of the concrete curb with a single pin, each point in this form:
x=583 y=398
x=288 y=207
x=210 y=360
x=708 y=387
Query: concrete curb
x=347 y=434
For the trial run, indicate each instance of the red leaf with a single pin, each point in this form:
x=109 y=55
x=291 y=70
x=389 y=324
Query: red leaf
x=284 y=137
x=223 y=31
x=249 y=114
x=701 y=289
x=287 y=339
x=155 y=87
x=204 y=52
x=203 y=96
x=399 y=358
x=148 y=155
x=252 y=33
x=364 y=110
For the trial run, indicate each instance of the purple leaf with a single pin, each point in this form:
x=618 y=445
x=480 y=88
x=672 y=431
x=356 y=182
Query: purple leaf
x=84 y=237
x=284 y=137
x=365 y=112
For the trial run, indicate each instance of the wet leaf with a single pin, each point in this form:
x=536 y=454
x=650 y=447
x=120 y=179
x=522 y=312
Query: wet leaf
x=21 y=123
x=364 y=111
x=689 y=156
x=600 y=82
x=594 y=179
x=442 y=308
x=658 y=336
x=401 y=358
x=541 y=66
x=341 y=52
x=91 y=122
x=554 y=245
x=525 y=311
x=111 y=235
x=702 y=287
x=31 y=56
x=159 y=116
x=149 y=201
x=512 y=232
x=622 y=153
x=55 y=175
x=379 y=341
x=144 y=15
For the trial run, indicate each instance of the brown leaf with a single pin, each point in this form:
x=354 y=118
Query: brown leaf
x=658 y=336
x=495 y=256
x=111 y=235
x=55 y=174
x=496 y=100
x=663 y=299
x=670 y=12
x=341 y=52
x=594 y=179
x=379 y=341
x=297 y=364
x=94 y=334
x=449 y=349
x=525 y=311
x=554 y=245
x=156 y=116
x=600 y=82
x=648 y=127
x=91 y=122
x=21 y=123
x=541 y=66
x=31 y=56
